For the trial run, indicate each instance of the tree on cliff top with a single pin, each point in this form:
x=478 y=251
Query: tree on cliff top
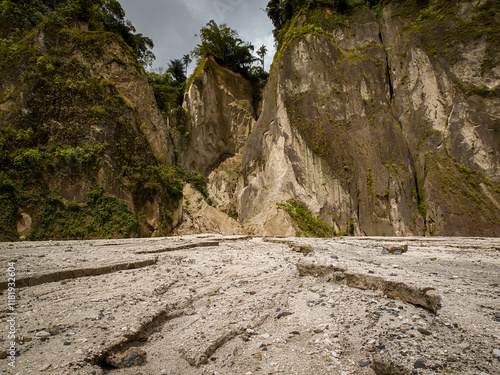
x=176 y=68
x=225 y=44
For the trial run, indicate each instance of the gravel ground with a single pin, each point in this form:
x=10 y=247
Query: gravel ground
x=237 y=305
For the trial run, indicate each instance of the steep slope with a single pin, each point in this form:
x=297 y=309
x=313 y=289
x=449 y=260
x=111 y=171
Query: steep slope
x=377 y=126
x=81 y=140
x=220 y=102
x=329 y=137
x=445 y=70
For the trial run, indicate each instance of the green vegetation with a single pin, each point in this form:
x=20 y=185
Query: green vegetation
x=67 y=129
x=422 y=210
x=198 y=70
x=327 y=14
x=18 y=18
x=441 y=29
x=102 y=216
x=198 y=181
x=481 y=90
x=281 y=11
x=176 y=69
x=232 y=214
x=224 y=43
x=169 y=91
x=305 y=221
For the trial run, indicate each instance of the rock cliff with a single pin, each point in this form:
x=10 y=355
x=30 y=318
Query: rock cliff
x=220 y=102
x=82 y=140
x=382 y=124
x=383 y=121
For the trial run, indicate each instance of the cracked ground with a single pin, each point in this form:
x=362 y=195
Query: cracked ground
x=238 y=305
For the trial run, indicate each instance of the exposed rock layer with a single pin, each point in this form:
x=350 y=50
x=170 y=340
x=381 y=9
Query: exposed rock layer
x=378 y=127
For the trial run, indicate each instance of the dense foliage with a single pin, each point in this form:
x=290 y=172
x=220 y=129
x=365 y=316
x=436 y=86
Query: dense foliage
x=225 y=44
x=306 y=222
x=69 y=134
x=168 y=92
x=281 y=12
x=17 y=17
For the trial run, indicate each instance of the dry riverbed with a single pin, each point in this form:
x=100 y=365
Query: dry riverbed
x=232 y=305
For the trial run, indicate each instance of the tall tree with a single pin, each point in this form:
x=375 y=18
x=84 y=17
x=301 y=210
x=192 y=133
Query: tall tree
x=225 y=44
x=186 y=60
x=262 y=51
x=176 y=68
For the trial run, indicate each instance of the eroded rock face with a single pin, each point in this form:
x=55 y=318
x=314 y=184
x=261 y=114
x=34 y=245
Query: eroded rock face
x=449 y=113
x=328 y=138
x=382 y=127
x=386 y=143
x=220 y=103
x=200 y=217
x=224 y=185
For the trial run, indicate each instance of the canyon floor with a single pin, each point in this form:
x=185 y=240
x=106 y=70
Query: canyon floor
x=212 y=304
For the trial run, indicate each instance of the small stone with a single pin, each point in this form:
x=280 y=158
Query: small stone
x=321 y=328
x=265 y=336
x=304 y=249
x=130 y=358
x=43 y=335
x=3 y=355
x=164 y=372
x=496 y=353
x=420 y=364
x=295 y=333
x=464 y=345
x=364 y=363
x=395 y=249
x=258 y=356
x=45 y=368
x=424 y=331
x=281 y=315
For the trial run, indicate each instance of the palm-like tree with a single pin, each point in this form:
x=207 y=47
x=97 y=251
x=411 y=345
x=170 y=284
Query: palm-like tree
x=186 y=60
x=262 y=51
x=176 y=68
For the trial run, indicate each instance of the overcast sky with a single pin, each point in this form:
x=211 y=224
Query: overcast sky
x=172 y=24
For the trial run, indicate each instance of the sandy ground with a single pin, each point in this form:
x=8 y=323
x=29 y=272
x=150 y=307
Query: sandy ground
x=235 y=305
